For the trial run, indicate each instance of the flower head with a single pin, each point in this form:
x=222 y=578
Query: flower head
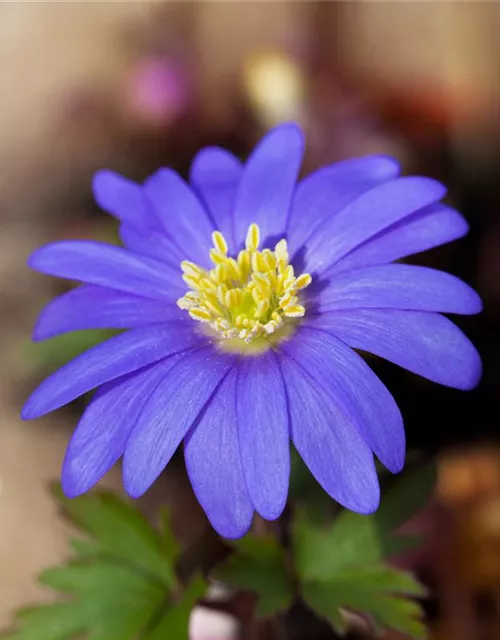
x=245 y=296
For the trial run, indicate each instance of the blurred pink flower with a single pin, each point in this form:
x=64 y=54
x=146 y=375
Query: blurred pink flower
x=159 y=89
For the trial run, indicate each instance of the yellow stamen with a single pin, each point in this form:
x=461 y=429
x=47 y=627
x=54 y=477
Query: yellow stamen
x=253 y=237
x=251 y=299
x=219 y=242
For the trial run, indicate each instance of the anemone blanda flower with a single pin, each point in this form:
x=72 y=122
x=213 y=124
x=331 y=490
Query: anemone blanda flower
x=245 y=296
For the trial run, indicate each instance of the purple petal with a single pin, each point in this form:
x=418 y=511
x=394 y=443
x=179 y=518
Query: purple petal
x=214 y=466
x=430 y=227
x=356 y=390
x=108 y=266
x=369 y=214
x=122 y=198
x=398 y=286
x=100 y=437
x=169 y=413
x=425 y=343
x=90 y=307
x=215 y=175
x=324 y=193
x=181 y=214
x=151 y=243
x=116 y=357
x=261 y=411
x=268 y=183
x=325 y=437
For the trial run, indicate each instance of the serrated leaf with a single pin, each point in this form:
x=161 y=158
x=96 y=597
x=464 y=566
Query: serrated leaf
x=110 y=602
x=340 y=565
x=356 y=594
x=120 y=581
x=258 y=565
x=120 y=531
x=52 y=622
x=320 y=601
x=173 y=622
x=321 y=551
x=384 y=578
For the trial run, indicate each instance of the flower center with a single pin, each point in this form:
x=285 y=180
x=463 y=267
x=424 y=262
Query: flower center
x=248 y=297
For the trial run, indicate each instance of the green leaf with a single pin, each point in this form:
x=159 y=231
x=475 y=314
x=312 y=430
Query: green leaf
x=340 y=564
x=121 y=584
x=52 y=622
x=120 y=531
x=258 y=565
x=168 y=543
x=111 y=602
x=384 y=609
x=174 y=619
x=320 y=551
x=59 y=350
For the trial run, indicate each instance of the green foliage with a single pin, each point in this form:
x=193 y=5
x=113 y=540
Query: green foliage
x=258 y=564
x=120 y=584
x=57 y=351
x=341 y=565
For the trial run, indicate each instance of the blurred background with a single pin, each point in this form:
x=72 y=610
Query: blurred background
x=135 y=85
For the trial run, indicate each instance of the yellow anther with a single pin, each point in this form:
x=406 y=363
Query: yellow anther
x=244 y=263
x=262 y=307
x=221 y=292
x=288 y=273
x=200 y=314
x=261 y=279
x=248 y=297
x=192 y=282
x=258 y=295
x=217 y=257
x=253 y=237
x=281 y=250
x=191 y=269
x=233 y=269
x=285 y=300
x=303 y=281
x=219 y=242
x=295 y=311
x=269 y=260
x=233 y=298
x=219 y=274
x=212 y=304
x=257 y=262
x=207 y=284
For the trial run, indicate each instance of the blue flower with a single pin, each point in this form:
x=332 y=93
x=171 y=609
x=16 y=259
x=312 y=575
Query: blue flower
x=245 y=296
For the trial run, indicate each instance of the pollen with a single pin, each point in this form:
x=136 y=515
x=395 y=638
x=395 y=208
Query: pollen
x=249 y=297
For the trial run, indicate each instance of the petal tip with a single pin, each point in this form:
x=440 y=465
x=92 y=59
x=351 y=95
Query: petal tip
x=71 y=487
x=471 y=381
x=270 y=511
x=102 y=180
x=211 y=158
x=134 y=484
x=232 y=531
x=290 y=129
x=40 y=330
x=369 y=504
x=29 y=412
x=133 y=490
